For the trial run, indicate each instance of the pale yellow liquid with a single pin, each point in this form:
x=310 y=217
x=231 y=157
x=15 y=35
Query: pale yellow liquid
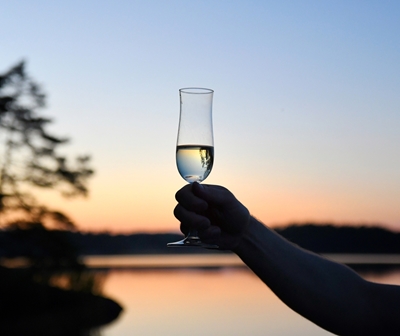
x=194 y=162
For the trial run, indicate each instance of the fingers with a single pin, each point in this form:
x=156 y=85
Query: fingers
x=214 y=194
x=211 y=234
x=190 y=219
x=188 y=200
x=213 y=211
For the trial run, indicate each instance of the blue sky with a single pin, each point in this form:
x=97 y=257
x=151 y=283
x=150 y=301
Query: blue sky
x=306 y=104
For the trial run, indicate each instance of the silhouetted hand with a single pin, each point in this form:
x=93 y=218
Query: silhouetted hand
x=214 y=212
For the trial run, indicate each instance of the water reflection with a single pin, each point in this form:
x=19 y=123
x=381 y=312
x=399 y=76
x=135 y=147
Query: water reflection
x=214 y=301
x=213 y=295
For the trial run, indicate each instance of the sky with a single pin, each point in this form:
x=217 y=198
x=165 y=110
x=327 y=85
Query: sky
x=306 y=106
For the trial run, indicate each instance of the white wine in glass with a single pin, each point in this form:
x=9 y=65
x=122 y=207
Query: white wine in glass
x=194 y=162
x=195 y=145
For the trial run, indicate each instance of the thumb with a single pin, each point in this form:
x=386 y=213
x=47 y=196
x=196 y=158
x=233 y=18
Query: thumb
x=213 y=194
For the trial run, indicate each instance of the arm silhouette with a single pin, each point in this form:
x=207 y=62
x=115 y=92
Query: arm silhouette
x=327 y=293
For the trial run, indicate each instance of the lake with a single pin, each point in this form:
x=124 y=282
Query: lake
x=212 y=295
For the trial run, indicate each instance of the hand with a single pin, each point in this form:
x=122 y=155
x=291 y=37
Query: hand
x=214 y=212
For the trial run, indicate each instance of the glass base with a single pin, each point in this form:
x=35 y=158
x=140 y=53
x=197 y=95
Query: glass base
x=192 y=241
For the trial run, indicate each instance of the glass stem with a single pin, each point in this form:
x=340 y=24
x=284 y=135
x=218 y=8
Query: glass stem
x=193 y=234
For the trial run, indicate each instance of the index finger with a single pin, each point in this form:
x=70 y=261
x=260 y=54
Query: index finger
x=190 y=201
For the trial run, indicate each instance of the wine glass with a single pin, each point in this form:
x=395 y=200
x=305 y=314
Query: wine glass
x=195 y=145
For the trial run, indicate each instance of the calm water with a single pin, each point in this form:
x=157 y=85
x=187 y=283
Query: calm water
x=168 y=300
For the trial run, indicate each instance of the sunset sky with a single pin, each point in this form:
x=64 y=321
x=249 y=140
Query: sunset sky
x=306 y=103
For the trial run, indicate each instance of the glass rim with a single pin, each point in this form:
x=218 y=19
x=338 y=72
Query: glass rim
x=196 y=90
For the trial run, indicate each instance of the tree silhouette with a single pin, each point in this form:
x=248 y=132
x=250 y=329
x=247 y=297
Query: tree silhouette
x=29 y=155
x=30 y=301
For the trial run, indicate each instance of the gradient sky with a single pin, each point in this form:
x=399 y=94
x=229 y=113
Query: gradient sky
x=306 y=104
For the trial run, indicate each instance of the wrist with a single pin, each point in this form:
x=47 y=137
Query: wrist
x=245 y=235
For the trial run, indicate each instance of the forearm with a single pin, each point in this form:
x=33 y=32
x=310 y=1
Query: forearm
x=329 y=294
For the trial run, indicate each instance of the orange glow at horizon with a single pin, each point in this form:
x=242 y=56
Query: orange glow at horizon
x=141 y=206
x=136 y=201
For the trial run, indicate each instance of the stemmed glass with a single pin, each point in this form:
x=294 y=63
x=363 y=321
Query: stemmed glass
x=195 y=145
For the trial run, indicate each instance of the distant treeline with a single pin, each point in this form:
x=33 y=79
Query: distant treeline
x=329 y=238
x=315 y=237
